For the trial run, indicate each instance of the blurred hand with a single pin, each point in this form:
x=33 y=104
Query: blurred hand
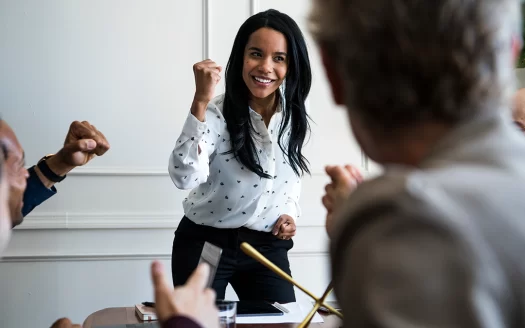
x=192 y=300
x=64 y=323
x=83 y=142
x=284 y=228
x=344 y=180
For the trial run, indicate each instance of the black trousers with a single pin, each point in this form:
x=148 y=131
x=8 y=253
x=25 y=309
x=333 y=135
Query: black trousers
x=250 y=279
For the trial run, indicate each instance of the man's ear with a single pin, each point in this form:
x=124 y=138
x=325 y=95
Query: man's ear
x=336 y=82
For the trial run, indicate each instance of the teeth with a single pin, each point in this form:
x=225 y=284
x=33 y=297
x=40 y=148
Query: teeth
x=258 y=79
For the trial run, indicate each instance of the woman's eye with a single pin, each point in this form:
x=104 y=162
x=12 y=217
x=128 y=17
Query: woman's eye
x=256 y=54
x=279 y=58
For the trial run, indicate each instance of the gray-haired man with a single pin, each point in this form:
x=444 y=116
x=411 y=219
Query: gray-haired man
x=438 y=239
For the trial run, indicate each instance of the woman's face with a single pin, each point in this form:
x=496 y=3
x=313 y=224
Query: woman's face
x=265 y=62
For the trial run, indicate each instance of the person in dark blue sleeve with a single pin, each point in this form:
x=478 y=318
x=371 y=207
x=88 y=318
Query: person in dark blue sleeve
x=30 y=188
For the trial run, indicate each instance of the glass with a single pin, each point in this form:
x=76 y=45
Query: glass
x=227 y=313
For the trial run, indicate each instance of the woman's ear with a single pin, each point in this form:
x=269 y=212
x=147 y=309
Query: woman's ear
x=336 y=82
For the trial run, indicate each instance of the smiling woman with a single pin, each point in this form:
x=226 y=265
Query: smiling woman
x=241 y=154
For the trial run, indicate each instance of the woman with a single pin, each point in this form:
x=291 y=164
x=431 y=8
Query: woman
x=241 y=154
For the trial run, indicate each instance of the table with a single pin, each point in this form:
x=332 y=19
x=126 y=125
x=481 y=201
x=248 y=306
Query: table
x=126 y=315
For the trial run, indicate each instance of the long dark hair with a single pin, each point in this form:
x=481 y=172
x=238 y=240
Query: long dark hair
x=297 y=86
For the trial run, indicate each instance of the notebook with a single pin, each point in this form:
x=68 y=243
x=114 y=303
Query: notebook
x=145 y=313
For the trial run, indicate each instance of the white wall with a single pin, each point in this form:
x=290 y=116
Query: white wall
x=126 y=66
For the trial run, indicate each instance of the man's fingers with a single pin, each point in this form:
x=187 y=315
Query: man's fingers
x=199 y=277
x=327 y=203
x=160 y=283
x=62 y=323
x=83 y=145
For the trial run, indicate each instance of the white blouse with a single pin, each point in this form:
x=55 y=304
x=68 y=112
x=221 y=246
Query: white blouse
x=225 y=194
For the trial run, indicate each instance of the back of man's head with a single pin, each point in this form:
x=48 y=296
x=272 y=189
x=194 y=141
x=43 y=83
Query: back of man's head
x=405 y=61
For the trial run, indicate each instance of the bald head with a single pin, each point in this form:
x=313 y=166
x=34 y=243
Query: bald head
x=518 y=112
x=16 y=172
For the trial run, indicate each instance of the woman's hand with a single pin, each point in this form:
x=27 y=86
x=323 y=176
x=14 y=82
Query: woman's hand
x=344 y=181
x=207 y=76
x=284 y=228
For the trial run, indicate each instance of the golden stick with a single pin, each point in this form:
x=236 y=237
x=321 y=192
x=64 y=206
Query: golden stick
x=249 y=250
x=317 y=304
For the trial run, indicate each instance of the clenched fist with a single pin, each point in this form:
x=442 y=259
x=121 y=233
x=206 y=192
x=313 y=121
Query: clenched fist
x=343 y=181
x=207 y=76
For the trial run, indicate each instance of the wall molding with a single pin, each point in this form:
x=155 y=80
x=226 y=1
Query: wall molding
x=115 y=171
x=123 y=257
x=206 y=29
x=254 y=7
x=81 y=221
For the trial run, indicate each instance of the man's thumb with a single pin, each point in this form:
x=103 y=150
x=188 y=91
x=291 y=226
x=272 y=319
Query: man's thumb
x=81 y=145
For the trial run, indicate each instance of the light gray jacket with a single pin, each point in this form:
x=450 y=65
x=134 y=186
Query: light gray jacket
x=442 y=245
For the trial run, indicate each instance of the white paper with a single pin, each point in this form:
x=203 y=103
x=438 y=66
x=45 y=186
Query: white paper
x=298 y=311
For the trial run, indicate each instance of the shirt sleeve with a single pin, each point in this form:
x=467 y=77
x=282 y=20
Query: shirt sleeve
x=36 y=193
x=187 y=167
x=291 y=206
x=180 y=322
x=405 y=272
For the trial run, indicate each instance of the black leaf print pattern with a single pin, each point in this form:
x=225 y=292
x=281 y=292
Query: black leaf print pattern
x=192 y=138
x=190 y=163
x=229 y=209
x=218 y=135
x=180 y=141
x=286 y=182
x=227 y=160
x=185 y=177
x=238 y=181
x=218 y=116
x=223 y=139
x=213 y=144
x=211 y=212
x=191 y=203
x=219 y=171
x=271 y=131
x=208 y=130
x=220 y=221
x=176 y=167
x=226 y=197
x=260 y=151
x=180 y=154
x=195 y=193
x=194 y=213
x=275 y=177
x=242 y=196
x=276 y=206
x=243 y=212
x=222 y=183
x=255 y=186
x=203 y=194
x=196 y=179
x=273 y=192
x=265 y=171
x=264 y=207
x=209 y=201
x=242 y=167
x=266 y=227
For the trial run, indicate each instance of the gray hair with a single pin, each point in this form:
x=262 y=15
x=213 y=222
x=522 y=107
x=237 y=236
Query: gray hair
x=407 y=61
